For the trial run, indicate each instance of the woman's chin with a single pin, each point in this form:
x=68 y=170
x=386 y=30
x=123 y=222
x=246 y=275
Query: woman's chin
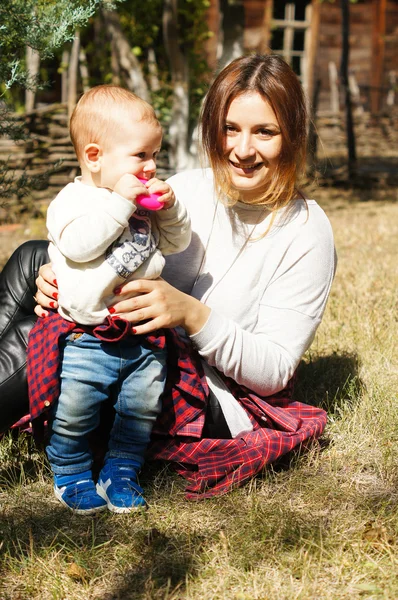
x=249 y=183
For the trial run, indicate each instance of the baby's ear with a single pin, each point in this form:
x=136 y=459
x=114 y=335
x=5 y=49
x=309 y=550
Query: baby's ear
x=92 y=157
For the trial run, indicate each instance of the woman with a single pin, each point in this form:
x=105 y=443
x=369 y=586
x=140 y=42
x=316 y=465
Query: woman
x=249 y=292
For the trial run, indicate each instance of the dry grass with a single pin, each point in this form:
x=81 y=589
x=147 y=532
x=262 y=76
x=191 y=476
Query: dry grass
x=12 y=235
x=319 y=525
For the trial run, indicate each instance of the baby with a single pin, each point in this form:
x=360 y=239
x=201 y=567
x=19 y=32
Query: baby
x=100 y=238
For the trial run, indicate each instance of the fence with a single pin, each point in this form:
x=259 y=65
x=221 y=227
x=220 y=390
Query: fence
x=49 y=158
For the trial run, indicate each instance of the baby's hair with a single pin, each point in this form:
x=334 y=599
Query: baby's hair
x=101 y=109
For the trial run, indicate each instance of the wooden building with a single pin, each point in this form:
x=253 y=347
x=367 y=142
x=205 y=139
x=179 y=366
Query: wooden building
x=308 y=33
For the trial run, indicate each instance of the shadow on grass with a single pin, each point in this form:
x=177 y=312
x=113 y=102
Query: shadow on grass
x=330 y=382
x=136 y=560
x=34 y=526
x=166 y=562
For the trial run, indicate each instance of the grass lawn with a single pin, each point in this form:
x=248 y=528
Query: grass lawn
x=320 y=525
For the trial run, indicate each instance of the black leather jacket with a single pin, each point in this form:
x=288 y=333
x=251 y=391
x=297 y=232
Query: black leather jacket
x=17 y=287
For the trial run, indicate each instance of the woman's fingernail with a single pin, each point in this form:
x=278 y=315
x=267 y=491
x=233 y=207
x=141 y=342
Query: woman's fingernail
x=55 y=282
x=55 y=295
x=117 y=291
x=111 y=309
x=43 y=314
x=133 y=330
x=52 y=304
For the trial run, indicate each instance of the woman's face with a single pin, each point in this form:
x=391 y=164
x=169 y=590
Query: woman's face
x=253 y=143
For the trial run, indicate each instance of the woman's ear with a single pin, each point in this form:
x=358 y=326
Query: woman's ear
x=92 y=154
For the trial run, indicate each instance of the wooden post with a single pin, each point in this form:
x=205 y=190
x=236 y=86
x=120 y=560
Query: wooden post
x=153 y=74
x=64 y=76
x=355 y=94
x=334 y=89
x=378 y=46
x=392 y=78
x=345 y=55
x=84 y=74
x=72 y=73
x=311 y=48
x=32 y=67
x=288 y=33
x=267 y=20
x=115 y=66
x=311 y=87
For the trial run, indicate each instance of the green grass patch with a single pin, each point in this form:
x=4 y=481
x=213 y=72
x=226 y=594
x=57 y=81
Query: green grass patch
x=321 y=523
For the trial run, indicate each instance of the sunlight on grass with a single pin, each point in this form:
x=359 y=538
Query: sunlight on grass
x=321 y=523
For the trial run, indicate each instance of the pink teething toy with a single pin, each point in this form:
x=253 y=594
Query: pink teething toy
x=151 y=201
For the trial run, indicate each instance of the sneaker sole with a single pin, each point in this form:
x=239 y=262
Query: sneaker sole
x=79 y=511
x=117 y=509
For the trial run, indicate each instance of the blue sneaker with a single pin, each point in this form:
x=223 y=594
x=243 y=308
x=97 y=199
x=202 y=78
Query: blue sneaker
x=78 y=493
x=117 y=485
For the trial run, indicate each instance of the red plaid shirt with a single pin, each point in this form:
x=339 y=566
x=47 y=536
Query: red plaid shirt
x=211 y=466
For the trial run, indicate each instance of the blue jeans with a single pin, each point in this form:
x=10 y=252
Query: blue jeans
x=131 y=373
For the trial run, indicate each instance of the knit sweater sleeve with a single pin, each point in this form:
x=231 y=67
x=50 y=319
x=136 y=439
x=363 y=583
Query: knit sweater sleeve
x=290 y=311
x=83 y=222
x=174 y=227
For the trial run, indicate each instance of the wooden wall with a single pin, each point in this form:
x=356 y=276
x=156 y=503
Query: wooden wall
x=364 y=61
x=373 y=41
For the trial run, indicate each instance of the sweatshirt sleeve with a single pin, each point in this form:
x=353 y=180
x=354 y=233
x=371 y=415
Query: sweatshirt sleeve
x=289 y=314
x=174 y=227
x=83 y=225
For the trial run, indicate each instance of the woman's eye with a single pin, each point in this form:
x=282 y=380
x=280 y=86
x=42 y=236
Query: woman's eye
x=229 y=129
x=267 y=133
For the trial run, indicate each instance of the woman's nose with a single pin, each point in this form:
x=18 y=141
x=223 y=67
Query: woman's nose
x=244 y=147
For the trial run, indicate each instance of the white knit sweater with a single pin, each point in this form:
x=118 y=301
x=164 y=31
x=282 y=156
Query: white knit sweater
x=268 y=299
x=99 y=240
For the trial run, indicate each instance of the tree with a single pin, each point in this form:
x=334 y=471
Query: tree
x=126 y=58
x=42 y=26
x=185 y=31
x=178 y=131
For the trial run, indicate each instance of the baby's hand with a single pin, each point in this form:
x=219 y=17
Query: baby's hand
x=161 y=187
x=129 y=187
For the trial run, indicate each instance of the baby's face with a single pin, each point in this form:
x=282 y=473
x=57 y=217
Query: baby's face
x=132 y=149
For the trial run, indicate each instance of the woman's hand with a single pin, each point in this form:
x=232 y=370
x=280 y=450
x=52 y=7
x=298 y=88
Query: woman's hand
x=47 y=291
x=160 y=305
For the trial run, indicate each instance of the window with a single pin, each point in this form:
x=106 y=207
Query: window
x=290 y=31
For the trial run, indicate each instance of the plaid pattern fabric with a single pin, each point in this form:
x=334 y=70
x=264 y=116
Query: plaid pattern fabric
x=211 y=466
x=215 y=466
x=43 y=360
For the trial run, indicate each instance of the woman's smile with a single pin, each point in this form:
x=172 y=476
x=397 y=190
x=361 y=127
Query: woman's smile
x=247 y=169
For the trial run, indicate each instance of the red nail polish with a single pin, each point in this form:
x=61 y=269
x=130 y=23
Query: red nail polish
x=55 y=282
x=111 y=309
x=133 y=330
x=117 y=291
x=43 y=314
x=52 y=304
x=55 y=295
